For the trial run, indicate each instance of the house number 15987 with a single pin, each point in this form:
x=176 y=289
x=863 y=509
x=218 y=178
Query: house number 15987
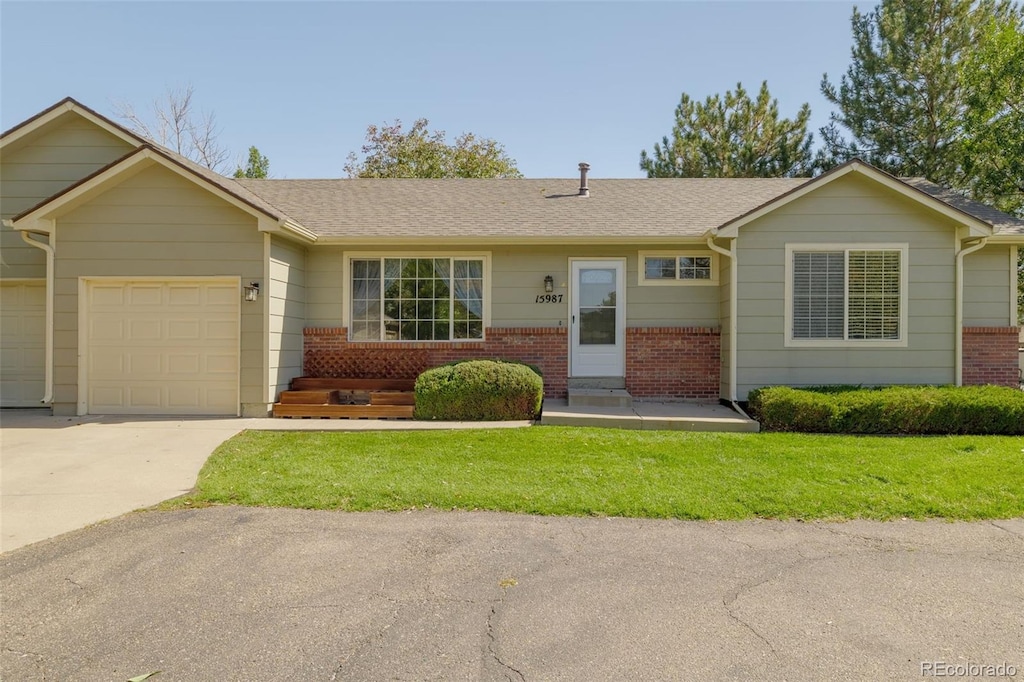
x=549 y=298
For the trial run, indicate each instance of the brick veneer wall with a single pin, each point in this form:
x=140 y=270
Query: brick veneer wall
x=990 y=356
x=677 y=362
x=327 y=352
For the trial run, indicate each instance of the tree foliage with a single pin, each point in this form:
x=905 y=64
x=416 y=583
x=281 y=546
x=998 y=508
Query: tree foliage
x=258 y=166
x=934 y=90
x=391 y=152
x=732 y=136
x=176 y=124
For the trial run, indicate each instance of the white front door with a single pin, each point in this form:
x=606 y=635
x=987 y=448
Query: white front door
x=598 y=339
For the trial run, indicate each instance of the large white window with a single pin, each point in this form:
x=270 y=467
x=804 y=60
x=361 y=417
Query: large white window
x=848 y=295
x=416 y=298
x=678 y=267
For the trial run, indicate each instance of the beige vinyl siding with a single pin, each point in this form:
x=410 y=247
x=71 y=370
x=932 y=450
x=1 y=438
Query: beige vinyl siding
x=987 y=277
x=186 y=232
x=517 y=277
x=287 y=293
x=37 y=167
x=849 y=210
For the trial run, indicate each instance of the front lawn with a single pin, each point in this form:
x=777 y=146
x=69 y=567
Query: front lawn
x=605 y=472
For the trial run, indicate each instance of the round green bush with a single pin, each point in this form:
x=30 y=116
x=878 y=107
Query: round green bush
x=479 y=390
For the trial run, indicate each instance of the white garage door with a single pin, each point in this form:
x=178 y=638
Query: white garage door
x=22 y=343
x=162 y=347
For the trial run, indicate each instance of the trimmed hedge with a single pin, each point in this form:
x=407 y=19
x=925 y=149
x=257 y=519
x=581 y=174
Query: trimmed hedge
x=975 y=410
x=479 y=390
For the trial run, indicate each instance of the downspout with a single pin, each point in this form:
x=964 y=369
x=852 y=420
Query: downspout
x=734 y=280
x=959 y=352
x=48 y=359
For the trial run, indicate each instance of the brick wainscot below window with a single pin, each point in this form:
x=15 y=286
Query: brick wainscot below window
x=990 y=356
x=327 y=352
x=662 y=362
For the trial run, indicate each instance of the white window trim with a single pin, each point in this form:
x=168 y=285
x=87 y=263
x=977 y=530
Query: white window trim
x=346 y=310
x=641 y=269
x=846 y=247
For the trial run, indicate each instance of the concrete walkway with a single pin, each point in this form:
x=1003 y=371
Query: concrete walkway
x=650 y=415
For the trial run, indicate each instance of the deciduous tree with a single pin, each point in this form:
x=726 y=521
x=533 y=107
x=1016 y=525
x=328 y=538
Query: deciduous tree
x=391 y=152
x=176 y=124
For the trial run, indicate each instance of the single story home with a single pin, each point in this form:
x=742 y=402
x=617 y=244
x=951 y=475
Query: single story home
x=134 y=281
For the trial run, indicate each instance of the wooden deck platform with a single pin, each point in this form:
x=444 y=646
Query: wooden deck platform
x=325 y=398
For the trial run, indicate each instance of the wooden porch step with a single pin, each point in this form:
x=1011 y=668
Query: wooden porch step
x=344 y=411
x=309 y=397
x=326 y=383
x=392 y=398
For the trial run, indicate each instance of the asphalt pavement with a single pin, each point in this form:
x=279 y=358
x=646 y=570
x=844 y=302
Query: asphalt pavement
x=270 y=594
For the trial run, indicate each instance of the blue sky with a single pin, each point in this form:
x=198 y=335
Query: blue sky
x=555 y=83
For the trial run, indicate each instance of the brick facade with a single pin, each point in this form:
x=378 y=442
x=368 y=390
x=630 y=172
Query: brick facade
x=327 y=352
x=990 y=356
x=673 y=362
x=676 y=362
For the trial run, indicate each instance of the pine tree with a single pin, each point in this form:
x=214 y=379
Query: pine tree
x=732 y=136
x=258 y=166
x=928 y=92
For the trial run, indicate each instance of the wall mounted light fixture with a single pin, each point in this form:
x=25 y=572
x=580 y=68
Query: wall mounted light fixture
x=251 y=292
x=549 y=284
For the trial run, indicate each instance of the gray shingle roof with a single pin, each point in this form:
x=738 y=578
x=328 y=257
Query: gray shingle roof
x=1003 y=223
x=543 y=209
x=520 y=208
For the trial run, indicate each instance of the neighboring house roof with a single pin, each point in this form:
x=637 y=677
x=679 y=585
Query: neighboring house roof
x=1003 y=223
x=56 y=111
x=460 y=209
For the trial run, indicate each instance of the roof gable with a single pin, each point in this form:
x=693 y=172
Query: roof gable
x=270 y=218
x=57 y=114
x=977 y=226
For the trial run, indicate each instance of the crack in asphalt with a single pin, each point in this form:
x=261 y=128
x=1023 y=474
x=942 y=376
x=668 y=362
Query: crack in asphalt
x=493 y=641
x=37 y=658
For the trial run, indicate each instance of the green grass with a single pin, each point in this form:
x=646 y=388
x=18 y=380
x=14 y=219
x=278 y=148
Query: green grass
x=605 y=472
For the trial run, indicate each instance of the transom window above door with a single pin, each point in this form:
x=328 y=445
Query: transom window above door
x=678 y=267
x=417 y=298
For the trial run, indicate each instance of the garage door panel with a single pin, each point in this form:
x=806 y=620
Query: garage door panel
x=184 y=330
x=221 y=330
x=100 y=295
x=144 y=295
x=184 y=363
x=145 y=330
x=176 y=353
x=22 y=343
x=185 y=295
x=103 y=361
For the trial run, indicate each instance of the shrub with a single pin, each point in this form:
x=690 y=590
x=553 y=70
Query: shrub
x=479 y=390
x=977 y=410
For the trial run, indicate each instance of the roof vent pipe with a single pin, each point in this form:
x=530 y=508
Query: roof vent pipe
x=584 y=190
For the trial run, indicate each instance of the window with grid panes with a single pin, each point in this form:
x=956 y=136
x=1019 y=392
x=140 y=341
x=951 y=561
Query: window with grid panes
x=416 y=299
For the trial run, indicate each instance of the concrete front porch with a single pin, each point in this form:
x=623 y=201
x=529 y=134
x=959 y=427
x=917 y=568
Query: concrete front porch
x=649 y=416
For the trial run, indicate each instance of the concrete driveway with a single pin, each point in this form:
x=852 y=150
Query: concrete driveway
x=260 y=594
x=58 y=474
